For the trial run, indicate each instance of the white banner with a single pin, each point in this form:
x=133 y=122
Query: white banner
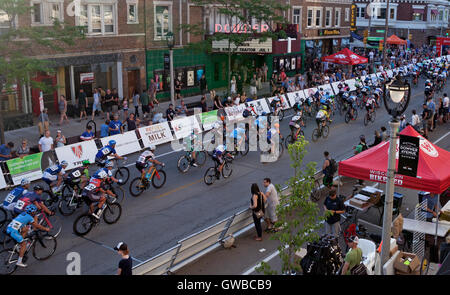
x=284 y=102
x=76 y=153
x=183 y=127
x=259 y=106
x=156 y=134
x=327 y=87
x=2 y=179
x=310 y=92
x=351 y=84
x=334 y=85
x=126 y=143
x=297 y=96
x=374 y=78
x=235 y=112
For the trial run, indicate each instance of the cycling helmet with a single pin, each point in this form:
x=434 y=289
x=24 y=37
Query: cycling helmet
x=112 y=142
x=64 y=163
x=264 y=114
x=152 y=147
x=31 y=209
x=364 y=90
x=38 y=188
x=109 y=164
x=25 y=181
x=324 y=107
x=245 y=114
x=345 y=95
x=86 y=162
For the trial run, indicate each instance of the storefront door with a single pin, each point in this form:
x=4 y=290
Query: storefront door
x=134 y=82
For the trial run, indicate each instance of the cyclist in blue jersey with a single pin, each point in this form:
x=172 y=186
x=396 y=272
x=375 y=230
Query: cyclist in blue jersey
x=94 y=192
x=34 y=198
x=109 y=150
x=238 y=134
x=53 y=176
x=105 y=173
x=18 y=229
x=12 y=198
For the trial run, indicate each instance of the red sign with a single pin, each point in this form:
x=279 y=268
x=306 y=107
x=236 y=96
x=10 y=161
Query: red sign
x=77 y=151
x=441 y=41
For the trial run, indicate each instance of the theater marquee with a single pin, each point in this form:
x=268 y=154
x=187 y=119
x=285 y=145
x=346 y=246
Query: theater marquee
x=253 y=46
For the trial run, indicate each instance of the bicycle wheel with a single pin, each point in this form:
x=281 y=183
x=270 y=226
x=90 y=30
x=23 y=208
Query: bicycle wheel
x=347 y=117
x=112 y=213
x=122 y=173
x=325 y=131
x=355 y=115
x=200 y=158
x=315 y=135
x=54 y=223
x=366 y=119
x=183 y=164
x=83 y=224
x=120 y=194
x=136 y=187
x=373 y=117
x=8 y=260
x=288 y=140
x=210 y=176
x=227 y=170
x=67 y=205
x=50 y=201
x=246 y=148
x=159 y=178
x=44 y=247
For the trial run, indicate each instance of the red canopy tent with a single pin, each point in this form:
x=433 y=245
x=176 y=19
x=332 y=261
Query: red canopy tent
x=396 y=40
x=433 y=171
x=345 y=57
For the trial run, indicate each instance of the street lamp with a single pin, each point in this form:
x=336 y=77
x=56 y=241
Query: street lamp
x=170 y=39
x=396 y=97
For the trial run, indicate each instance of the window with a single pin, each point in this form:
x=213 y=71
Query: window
x=83 y=18
x=297 y=16
x=381 y=13
x=163 y=21
x=132 y=11
x=108 y=18
x=441 y=15
x=361 y=12
x=347 y=14
x=417 y=16
x=392 y=13
x=328 y=17
x=55 y=11
x=37 y=13
x=97 y=18
x=4 y=19
x=310 y=15
x=46 y=12
x=318 y=18
x=337 y=17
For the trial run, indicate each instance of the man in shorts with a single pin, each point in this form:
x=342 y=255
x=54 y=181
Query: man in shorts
x=272 y=203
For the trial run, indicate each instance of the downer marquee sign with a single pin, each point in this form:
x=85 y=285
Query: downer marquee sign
x=253 y=46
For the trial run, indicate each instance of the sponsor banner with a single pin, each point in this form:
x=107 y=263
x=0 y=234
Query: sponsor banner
x=29 y=167
x=86 y=78
x=381 y=176
x=351 y=84
x=156 y=134
x=208 y=120
x=261 y=105
x=310 y=92
x=76 y=153
x=334 y=85
x=408 y=155
x=297 y=96
x=235 y=112
x=127 y=143
x=183 y=127
x=327 y=87
x=284 y=102
x=2 y=179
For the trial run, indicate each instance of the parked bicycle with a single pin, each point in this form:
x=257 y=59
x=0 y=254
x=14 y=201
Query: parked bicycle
x=42 y=246
x=186 y=161
x=155 y=176
x=213 y=172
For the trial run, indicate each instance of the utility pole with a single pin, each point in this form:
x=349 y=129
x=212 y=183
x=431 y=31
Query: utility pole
x=386 y=32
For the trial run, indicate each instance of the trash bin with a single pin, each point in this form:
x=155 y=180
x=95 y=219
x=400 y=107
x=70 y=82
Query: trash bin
x=398 y=199
x=421 y=195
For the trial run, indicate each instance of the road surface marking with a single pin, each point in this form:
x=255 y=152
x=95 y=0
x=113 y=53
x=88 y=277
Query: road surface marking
x=441 y=138
x=179 y=188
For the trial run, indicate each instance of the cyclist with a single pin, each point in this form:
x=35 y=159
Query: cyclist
x=18 y=229
x=32 y=198
x=351 y=102
x=105 y=173
x=296 y=122
x=321 y=117
x=144 y=159
x=102 y=155
x=12 y=198
x=370 y=104
x=94 y=192
x=238 y=134
x=190 y=143
x=80 y=173
x=217 y=156
x=53 y=176
x=377 y=94
x=276 y=105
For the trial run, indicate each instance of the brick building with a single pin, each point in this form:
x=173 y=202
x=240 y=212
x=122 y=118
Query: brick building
x=423 y=19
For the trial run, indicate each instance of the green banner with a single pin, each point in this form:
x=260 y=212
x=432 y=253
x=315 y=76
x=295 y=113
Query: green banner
x=28 y=164
x=209 y=117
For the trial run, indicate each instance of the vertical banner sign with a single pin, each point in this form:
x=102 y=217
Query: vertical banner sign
x=166 y=61
x=353 y=18
x=408 y=155
x=41 y=102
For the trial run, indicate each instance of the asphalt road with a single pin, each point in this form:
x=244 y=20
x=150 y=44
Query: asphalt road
x=156 y=220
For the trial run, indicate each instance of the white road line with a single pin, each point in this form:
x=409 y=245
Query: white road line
x=441 y=138
x=251 y=270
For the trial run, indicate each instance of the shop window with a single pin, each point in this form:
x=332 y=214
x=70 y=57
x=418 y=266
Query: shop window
x=337 y=17
x=328 y=17
x=418 y=16
x=392 y=13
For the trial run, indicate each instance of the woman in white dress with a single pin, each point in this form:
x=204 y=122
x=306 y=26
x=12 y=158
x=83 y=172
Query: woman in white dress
x=233 y=85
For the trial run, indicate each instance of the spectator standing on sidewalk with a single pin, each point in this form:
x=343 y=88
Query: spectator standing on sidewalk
x=62 y=106
x=170 y=113
x=265 y=69
x=353 y=257
x=5 y=151
x=377 y=139
x=426 y=115
x=328 y=169
x=256 y=204
x=44 y=122
x=136 y=103
x=253 y=90
x=334 y=205
x=239 y=85
x=60 y=139
x=125 y=108
x=203 y=84
x=204 y=104
x=273 y=201
x=131 y=123
x=415 y=121
x=109 y=100
x=145 y=100
x=88 y=134
x=104 y=129
x=177 y=89
x=115 y=126
x=126 y=263
x=115 y=101
x=233 y=85
x=96 y=106
x=46 y=142
x=446 y=105
x=24 y=149
x=384 y=134
x=82 y=103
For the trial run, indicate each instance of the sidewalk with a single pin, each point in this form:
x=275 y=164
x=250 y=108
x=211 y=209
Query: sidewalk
x=76 y=128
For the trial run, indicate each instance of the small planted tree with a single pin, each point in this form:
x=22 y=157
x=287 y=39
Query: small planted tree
x=298 y=216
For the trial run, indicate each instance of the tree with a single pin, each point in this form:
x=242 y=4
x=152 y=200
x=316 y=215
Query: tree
x=298 y=216
x=239 y=14
x=17 y=44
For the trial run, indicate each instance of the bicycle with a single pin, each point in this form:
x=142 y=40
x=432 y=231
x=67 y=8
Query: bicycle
x=238 y=149
x=317 y=193
x=349 y=117
x=186 y=161
x=122 y=172
x=290 y=139
x=321 y=131
x=155 y=176
x=111 y=212
x=213 y=173
x=42 y=246
x=369 y=117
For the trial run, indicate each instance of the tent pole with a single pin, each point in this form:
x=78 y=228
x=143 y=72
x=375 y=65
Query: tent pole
x=437 y=221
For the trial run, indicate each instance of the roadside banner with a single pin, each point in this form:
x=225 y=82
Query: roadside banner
x=297 y=96
x=334 y=85
x=76 y=153
x=327 y=87
x=261 y=105
x=183 y=126
x=29 y=167
x=2 y=179
x=156 y=134
x=351 y=84
x=234 y=113
x=127 y=143
x=310 y=92
x=208 y=120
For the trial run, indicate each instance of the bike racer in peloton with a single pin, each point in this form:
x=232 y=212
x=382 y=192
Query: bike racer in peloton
x=145 y=158
x=109 y=150
x=80 y=173
x=321 y=117
x=12 y=198
x=296 y=122
x=218 y=154
x=34 y=198
x=370 y=104
x=95 y=192
x=53 y=176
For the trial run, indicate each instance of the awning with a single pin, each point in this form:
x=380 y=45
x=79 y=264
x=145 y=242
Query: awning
x=420 y=11
x=434 y=11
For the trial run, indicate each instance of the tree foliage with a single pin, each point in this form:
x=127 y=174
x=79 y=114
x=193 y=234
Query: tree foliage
x=17 y=64
x=298 y=216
